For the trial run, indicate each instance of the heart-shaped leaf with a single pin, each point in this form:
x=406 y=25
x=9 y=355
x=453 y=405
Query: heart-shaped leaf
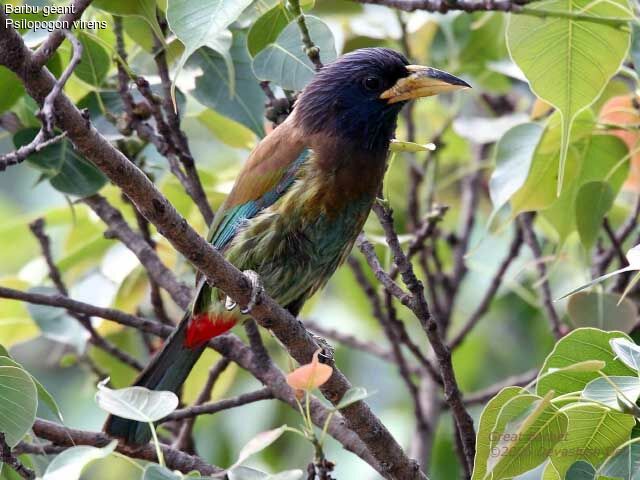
x=627 y=352
x=258 y=443
x=70 y=463
x=43 y=395
x=611 y=391
x=568 y=62
x=18 y=403
x=204 y=23
x=514 y=154
x=285 y=62
x=353 y=395
x=158 y=472
x=212 y=87
x=136 y=403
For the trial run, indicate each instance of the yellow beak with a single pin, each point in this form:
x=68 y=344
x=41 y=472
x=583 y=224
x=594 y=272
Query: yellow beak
x=422 y=82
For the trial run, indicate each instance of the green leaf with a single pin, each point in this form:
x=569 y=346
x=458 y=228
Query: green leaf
x=266 y=29
x=568 y=62
x=611 y=390
x=579 y=345
x=353 y=395
x=212 y=87
x=258 y=443
x=527 y=439
x=145 y=9
x=287 y=475
x=285 y=62
x=70 y=463
x=227 y=130
x=627 y=352
x=398 y=146
x=539 y=190
x=56 y=324
x=136 y=403
x=485 y=429
x=623 y=464
x=601 y=310
x=158 y=472
x=246 y=473
x=514 y=153
x=43 y=395
x=581 y=470
x=635 y=46
x=66 y=170
x=12 y=89
x=18 y=403
x=204 y=23
x=95 y=63
x=594 y=432
x=593 y=202
x=633 y=257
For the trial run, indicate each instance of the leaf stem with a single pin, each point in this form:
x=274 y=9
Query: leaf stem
x=156 y=443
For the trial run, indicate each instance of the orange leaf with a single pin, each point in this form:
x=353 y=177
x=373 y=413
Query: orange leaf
x=310 y=376
x=622 y=111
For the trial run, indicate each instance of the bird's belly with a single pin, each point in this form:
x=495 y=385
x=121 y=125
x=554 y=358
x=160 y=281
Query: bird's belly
x=295 y=255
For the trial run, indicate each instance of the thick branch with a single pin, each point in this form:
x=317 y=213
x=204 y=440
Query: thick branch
x=175 y=459
x=444 y=6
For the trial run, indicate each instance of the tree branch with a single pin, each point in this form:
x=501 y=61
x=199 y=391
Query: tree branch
x=526 y=224
x=6 y=456
x=498 y=277
x=431 y=327
x=119 y=228
x=37 y=227
x=229 y=346
x=214 y=407
x=69 y=437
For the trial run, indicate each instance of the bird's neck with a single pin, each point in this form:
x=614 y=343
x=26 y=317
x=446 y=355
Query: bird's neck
x=356 y=128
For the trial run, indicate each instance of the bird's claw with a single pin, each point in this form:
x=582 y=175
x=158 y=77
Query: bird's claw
x=327 y=350
x=257 y=290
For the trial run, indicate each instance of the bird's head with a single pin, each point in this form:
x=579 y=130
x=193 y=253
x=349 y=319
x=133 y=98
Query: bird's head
x=359 y=96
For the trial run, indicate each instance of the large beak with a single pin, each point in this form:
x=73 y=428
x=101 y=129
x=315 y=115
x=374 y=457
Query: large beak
x=422 y=82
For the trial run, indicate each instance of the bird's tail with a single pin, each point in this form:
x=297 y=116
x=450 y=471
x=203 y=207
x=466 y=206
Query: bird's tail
x=168 y=370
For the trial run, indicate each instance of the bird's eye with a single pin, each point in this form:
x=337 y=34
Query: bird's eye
x=372 y=83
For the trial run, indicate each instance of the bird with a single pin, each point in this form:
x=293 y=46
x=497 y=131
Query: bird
x=299 y=202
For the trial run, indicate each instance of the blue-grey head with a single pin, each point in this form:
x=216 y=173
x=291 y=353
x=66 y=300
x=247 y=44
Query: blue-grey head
x=359 y=96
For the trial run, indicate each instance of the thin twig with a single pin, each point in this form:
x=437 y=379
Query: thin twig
x=526 y=224
x=310 y=49
x=430 y=325
x=496 y=281
x=184 y=436
x=55 y=39
x=353 y=342
x=120 y=229
x=37 y=227
x=214 y=407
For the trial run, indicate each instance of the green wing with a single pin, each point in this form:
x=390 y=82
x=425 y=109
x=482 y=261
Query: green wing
x=252 y=193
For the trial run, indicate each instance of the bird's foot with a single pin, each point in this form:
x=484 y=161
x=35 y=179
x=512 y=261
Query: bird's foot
x=326 y=355
x=257 y=289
